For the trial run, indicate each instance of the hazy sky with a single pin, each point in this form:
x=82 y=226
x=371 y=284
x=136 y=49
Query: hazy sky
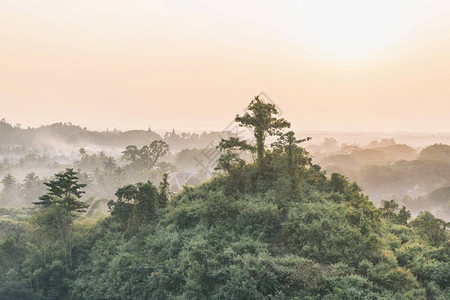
x=330 y=65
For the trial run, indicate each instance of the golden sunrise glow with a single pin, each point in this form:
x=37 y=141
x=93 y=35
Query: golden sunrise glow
x=354 y=29
x=348 y=63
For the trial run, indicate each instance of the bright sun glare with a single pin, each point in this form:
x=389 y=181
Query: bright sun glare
x=353 y=29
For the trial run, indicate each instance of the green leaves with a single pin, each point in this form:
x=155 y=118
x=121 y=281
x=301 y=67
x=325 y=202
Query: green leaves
x=431 y=228
x=234 y=143
x=64 y=190
x=148 y=155
x=275 y=229
x=262 y=120
x=136 y=204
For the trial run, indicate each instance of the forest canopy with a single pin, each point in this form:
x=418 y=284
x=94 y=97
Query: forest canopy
x=276 y=228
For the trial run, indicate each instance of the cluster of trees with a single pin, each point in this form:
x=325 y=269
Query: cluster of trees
x=438 y=201
x=103 y=175
x=68 y=135
x=395 y=171
x=277 y=228
x=99 y=172
x=148 y=155
x=15 y=193
x=422 y=176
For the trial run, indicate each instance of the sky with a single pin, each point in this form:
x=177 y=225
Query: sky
x=345 y=65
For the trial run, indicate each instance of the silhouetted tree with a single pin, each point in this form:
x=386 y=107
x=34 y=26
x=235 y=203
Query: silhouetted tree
x=64 y=191
x=148 y=155
x=262 y=119
x=60 y=207
x=10 y=191
x=32 y=188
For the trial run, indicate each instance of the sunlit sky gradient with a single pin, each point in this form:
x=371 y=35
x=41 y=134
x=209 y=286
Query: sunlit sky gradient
x=330 y=65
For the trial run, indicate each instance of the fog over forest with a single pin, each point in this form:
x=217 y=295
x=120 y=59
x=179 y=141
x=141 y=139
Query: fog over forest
x=224 y=150
x=411 y=168
x=233 y=214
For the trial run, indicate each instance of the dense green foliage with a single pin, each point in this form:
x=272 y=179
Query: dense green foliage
x=275 y=229
x=64 y=190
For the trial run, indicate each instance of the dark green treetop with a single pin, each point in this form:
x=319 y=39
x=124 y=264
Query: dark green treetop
x=148 y=155
x=164 y=191
x=64 y=190
x=261 y=118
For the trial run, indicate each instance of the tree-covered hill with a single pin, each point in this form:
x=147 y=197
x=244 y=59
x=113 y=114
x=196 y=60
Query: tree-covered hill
x=277 y=228
x=397 y=172
x=59 y=136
